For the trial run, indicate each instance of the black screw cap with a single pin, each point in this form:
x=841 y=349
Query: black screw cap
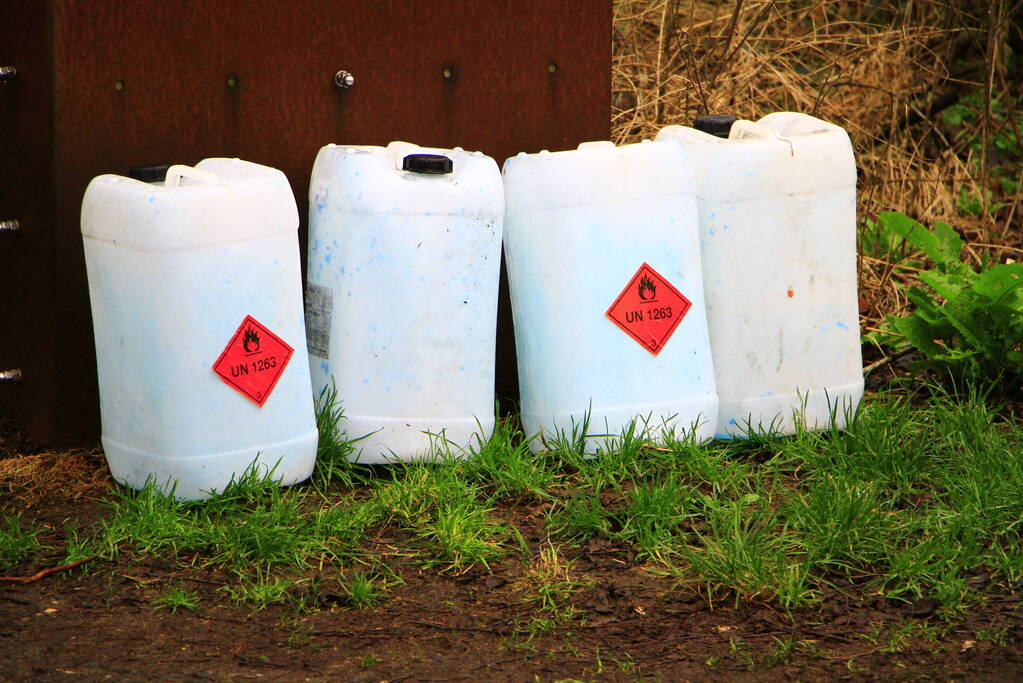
x=433 y=164
x=150 y=173
x=715 y=124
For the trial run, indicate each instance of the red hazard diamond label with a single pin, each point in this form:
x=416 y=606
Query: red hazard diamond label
x=253 y=360
x=649 y=309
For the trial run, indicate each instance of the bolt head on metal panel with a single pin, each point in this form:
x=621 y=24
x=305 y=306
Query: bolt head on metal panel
x=8 y=73
x=343 y=79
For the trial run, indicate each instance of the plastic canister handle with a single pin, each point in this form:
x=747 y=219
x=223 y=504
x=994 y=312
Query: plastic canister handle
x=149 y=173
x=399 y=150
x=745 y=130
x=178 y=171
x=750 y=130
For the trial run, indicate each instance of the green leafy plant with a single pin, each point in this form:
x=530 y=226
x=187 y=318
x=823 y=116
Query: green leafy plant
x=963 y=117
x=993 y=134
x=967 y=322
x=970 y=204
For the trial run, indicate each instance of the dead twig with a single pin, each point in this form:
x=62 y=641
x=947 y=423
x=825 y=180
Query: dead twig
x=876 y=364
x=49 y=570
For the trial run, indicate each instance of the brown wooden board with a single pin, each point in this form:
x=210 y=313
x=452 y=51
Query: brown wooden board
x=28 y=337
x=109 y=85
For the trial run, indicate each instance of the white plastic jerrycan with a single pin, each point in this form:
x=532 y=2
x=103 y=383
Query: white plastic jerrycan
x=401 y=303
x=196 y=295
x=607 y=298
x=777 y=202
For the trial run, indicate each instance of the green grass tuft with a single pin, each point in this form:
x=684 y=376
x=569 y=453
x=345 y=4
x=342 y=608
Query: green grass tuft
x=654 y=517
x=18 y=543
x=333 y=448
x=175 y=598
x=363 y=590
x=506 y=465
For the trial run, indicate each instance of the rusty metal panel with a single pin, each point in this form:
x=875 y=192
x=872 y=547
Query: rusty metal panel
x=180 y=80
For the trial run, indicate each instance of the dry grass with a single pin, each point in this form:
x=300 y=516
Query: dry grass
x=66 y=476
x=881 y=70
x=29 y=476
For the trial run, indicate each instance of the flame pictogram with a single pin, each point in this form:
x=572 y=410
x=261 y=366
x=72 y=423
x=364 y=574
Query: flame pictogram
x=647 y=288
x=251 y=341
x=649 y=309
